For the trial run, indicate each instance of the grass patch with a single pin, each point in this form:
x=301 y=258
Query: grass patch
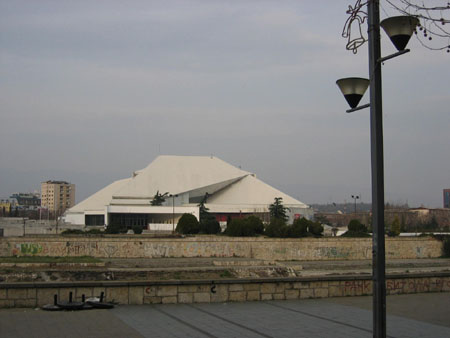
x=226 y=274
x=48 y=259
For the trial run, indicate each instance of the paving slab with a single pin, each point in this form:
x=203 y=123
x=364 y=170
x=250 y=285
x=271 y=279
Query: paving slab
x=409 y=316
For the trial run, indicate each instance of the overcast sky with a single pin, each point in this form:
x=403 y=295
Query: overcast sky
x=92 y=90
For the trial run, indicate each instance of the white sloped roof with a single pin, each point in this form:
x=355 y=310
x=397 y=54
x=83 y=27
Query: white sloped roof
x=100 y=199
x=251 y=191
x=178 y=174
x=227 y=185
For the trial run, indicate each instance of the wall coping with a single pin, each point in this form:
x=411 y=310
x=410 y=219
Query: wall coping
x=205 y=238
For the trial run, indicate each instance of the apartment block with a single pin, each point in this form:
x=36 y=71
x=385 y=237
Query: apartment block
x=57 y=196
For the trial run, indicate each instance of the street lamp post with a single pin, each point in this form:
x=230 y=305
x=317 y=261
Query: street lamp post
x=377 y=163
x=355 y=197
x=399 y=30
x=173 y=212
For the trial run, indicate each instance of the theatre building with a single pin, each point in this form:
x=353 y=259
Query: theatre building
x=231 y=192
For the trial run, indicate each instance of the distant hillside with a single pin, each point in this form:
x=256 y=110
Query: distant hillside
x=347 y=208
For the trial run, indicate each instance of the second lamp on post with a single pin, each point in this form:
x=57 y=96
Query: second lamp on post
x=399 y=30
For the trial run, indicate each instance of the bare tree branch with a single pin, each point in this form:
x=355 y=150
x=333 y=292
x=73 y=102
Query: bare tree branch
x=433 y=32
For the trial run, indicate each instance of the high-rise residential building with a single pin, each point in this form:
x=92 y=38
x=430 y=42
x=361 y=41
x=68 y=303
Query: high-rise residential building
x=446 y=198
x=57 y=196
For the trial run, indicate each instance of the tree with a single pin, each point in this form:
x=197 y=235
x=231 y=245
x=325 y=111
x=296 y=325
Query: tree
x=204 y=211
x=395 y=227
x=315 y=229
x=137 y=229
x=299 y=228
x=249 y=226
x=356 y=229
x=159 y=198
x=210 y=226
x=276 y=228
x=188 y=224
x=278 y=210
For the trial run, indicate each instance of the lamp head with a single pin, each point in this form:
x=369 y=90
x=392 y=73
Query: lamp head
x=353 y=89
x=399 y=29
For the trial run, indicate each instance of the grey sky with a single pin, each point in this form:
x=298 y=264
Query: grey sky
x=93 y=90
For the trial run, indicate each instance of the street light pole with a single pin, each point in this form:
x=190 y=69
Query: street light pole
x=399 y=29
x=377 y=164
x=355 y=197
x=173 y=212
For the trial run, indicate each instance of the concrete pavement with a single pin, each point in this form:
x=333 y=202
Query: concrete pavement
x=417 y=315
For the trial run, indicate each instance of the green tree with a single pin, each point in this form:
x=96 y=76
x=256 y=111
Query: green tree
x=137 y=229
x=188 y=224
x=278 y=210
x=277 y=228
x=395 y=227
x=210 y=226
x=315 y=229
x=403 y=224
x=299 y=228
x=356 y=229
x=204 y=211
x=249 y=226
x=322 y=219
x=159 y=198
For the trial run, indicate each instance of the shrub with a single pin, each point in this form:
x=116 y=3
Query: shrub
x=355 y=234
x=188 y=224
x=72 y=232
x=356 y=226
x=137 y=229
x=244 y=227
x=235 y=228
x=299 y=228
x=315 y=229
x=210 y=226
x=254 y=225
x=356 y=229
x=276 y=228
x=94 y=232
x=116 y=229
x=395 y=228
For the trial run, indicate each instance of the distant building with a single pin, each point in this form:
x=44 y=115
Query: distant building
x=27 y=200
x=57 y=196
x=5 y=207
x=230 y=192
x=446 y=198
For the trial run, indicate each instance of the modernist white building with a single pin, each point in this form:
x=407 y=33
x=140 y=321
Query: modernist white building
x=232 y=192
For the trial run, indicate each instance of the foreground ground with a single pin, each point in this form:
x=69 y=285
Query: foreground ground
x=417 y=315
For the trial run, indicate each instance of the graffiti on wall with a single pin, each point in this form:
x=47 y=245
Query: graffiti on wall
x=333 y=252
x=27 y=249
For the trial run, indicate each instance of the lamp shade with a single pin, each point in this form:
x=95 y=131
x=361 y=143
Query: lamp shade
x=353 y=89
x=399 y=29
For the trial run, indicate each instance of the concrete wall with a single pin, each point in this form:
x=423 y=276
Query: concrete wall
x=136 y=246
x=207 y=291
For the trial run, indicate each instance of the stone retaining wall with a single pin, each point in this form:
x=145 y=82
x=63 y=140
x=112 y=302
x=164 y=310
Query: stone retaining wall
x=139 y=246
x=207 y=291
